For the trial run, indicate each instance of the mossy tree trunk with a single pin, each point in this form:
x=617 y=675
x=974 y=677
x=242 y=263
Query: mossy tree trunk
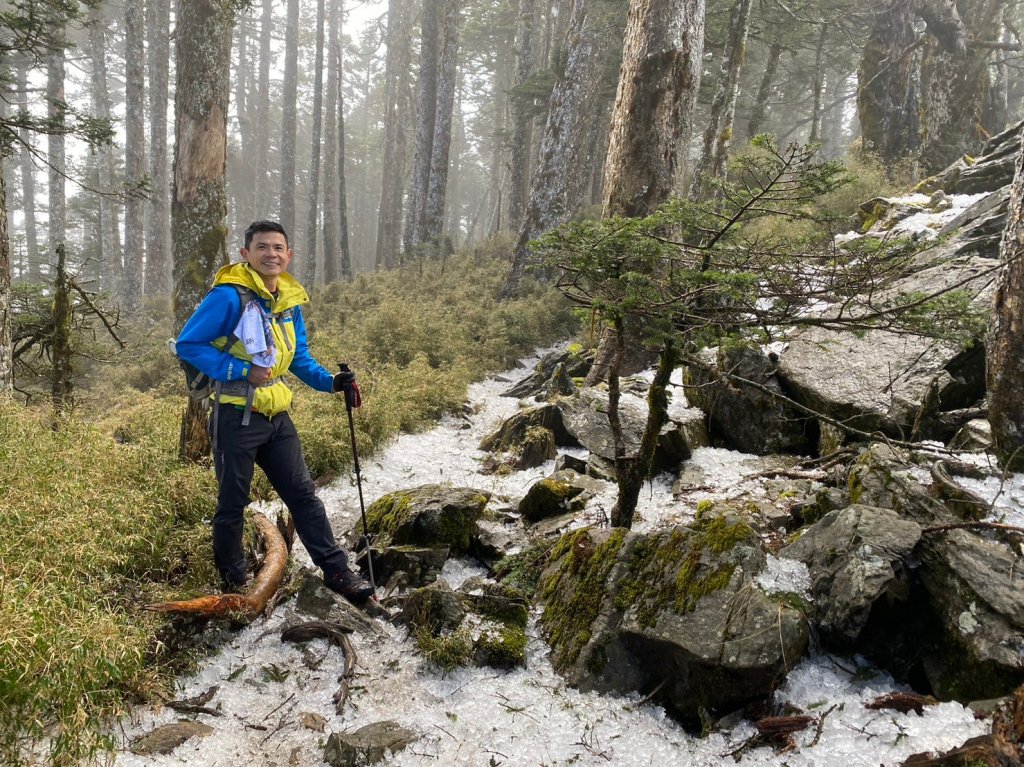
x=199 y=205
x=718 y=133
x=1005 y=347
x=60 y=344
x=955 y=88
x=888 y=101
x=560 y=179
x=432 y=222
x=760 y=109
x=6 y=342
x=134 y=160
x=632 y=473
x=523 y=107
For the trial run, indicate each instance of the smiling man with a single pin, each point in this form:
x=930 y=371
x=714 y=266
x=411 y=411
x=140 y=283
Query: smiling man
x=247 y=332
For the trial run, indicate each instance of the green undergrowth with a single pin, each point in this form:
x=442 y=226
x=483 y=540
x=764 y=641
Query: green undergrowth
x=99 y=518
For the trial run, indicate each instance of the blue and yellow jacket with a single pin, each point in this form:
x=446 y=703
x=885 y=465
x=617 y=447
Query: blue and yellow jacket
x=202 y=340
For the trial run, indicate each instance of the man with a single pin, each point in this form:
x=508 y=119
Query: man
x=250 y=424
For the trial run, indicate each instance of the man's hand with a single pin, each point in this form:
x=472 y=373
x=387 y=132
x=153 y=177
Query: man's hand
x=259 y=376
x=345 y=382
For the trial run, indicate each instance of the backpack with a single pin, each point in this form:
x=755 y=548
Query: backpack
x=202 y=388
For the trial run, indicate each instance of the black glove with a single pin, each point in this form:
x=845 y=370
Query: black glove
x=345 y=381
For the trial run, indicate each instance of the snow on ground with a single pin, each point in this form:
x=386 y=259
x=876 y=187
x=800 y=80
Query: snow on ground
x=527 y=716
x=926 y=224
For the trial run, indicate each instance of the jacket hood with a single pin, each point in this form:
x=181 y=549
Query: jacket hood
x=289 y=292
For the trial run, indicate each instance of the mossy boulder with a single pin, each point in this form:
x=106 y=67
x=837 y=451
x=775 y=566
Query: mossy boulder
x=481 y=624
x=551 y=372
x=429 y=516
x=515 y=430
x=677 y=611
x=881 y=477
x=562 y=492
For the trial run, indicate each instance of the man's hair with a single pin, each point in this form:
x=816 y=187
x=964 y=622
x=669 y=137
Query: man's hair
x=263 y=226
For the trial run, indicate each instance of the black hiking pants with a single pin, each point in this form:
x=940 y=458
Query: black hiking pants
x=273 y=445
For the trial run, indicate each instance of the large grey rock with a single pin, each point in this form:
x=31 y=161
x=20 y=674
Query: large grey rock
x=428 y=516
x=974 y=587
x=880 y=477
x=371 y=744
x=514 y=430
x=546 y=378
x=678 y=610
x=562 y=492
x=856 y=556
x=741 y=417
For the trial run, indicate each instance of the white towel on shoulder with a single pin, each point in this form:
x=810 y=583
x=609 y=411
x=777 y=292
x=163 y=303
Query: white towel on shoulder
x=254 y=331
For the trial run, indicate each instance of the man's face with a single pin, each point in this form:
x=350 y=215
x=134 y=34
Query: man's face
x=268 y=253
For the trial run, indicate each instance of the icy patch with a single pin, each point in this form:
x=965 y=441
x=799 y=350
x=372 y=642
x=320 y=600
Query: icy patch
x=785 y=576
x=458 y=571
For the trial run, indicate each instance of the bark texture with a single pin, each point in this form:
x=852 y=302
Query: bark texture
x=560 y=180
x=57 y=212
x=718 y=133
x=658 y=86
x=158 y=227
x=521 y=132
x=426 y=111
x=1005 y=346
x=199 y=204
x=134 y=159
x=389 y=219
x=312 y=214
x=432 y=223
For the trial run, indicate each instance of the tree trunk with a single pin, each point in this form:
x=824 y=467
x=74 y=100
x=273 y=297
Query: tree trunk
x=112 y=265
x=887 y=96
x=389 y=215
x=521 y=132
x=331 y=111
x=954 y=88
x=718 y=133
x=242 y=187
x=158 y=230
x=57 y=213
x=819 y=85
x=1005 y=345
x=6 y=340
x=312 y=217
x=344 y=251
x=432 y=223
x=658 y=85
x=426 y=115
x=560 y=180
x=134 y=159
x=286 y=214
x=760 y=111
x=199 y=205
x=28 y=181
x=261 y=118
x=60 y=344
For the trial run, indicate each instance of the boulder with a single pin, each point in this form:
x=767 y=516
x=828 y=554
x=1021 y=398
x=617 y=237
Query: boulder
x=513 y=431
x=562 y=492
x=857 y=557
x=585 y=417
x=315 y=599
x=973 y=586
x=678 y=612
x=371 y=744
x=881 y=477
x=428 y=516
x=741 y=417
x=419 y=565
x=539 y=383
x=481 y=624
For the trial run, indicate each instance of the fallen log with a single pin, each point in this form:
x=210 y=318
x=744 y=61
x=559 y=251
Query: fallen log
x=253 y=601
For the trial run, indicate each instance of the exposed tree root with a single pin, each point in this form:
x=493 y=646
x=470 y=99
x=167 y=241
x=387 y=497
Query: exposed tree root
x=254 y=601
x=337 y=635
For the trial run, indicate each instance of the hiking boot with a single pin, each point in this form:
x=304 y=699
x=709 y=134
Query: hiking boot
x=351 y=586
x=230 y=586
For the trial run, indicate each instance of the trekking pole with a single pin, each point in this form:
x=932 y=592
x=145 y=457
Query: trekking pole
x=359 y=486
